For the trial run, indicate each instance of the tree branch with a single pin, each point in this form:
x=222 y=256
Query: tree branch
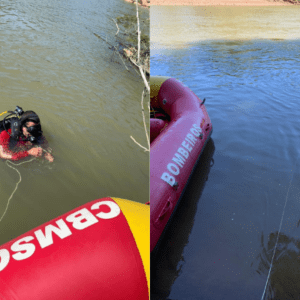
x=139 y=144
x=144 y=121
x=117 y=26
x=138 y=31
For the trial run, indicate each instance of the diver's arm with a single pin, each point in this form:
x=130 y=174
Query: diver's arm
x=14 y=156
x=4 y=155
x=49 y=157
x=47 y=150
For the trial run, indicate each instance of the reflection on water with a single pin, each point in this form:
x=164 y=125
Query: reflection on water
x=176 y=26
x=252 y=90
x=89 y=104
x=169 y=258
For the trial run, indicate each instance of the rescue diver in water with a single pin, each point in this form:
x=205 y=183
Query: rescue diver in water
x=22 y=136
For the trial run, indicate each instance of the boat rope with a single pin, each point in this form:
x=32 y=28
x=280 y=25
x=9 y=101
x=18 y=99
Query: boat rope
x=10 y=165
x=274 y=251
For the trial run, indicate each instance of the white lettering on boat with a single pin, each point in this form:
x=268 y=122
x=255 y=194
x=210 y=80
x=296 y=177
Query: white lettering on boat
x=82 y=219
x=18 y=247
x=46 y=239
x=114 y=209
x=4 y=258
x=181 y=155
x=79 y=220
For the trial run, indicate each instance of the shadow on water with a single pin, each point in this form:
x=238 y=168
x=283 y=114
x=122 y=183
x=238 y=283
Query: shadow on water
x=167 y=262
x=283 y=282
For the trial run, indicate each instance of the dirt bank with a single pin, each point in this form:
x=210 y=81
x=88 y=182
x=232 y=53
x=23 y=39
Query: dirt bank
x=220 y=2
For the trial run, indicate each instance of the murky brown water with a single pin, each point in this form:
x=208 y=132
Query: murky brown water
x=51 y=62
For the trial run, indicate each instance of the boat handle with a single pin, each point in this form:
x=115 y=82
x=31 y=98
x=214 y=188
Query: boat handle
x=165 y=210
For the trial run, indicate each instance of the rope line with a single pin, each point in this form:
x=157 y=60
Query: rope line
x=9 y=164
x=271 y=265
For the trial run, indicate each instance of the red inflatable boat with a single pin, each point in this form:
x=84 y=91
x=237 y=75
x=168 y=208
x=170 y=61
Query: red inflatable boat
x=97 y=251
x=179 y=130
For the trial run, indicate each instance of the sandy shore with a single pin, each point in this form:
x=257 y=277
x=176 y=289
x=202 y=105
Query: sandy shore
x=220 y=2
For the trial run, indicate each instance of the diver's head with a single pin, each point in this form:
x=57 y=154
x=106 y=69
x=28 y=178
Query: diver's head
x=31 y=127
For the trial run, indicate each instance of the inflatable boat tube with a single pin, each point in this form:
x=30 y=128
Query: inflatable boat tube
x=176 y=145
x=97 y=251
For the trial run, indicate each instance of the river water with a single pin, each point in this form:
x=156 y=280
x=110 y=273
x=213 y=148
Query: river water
x=52 y=62
x=223 y=242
